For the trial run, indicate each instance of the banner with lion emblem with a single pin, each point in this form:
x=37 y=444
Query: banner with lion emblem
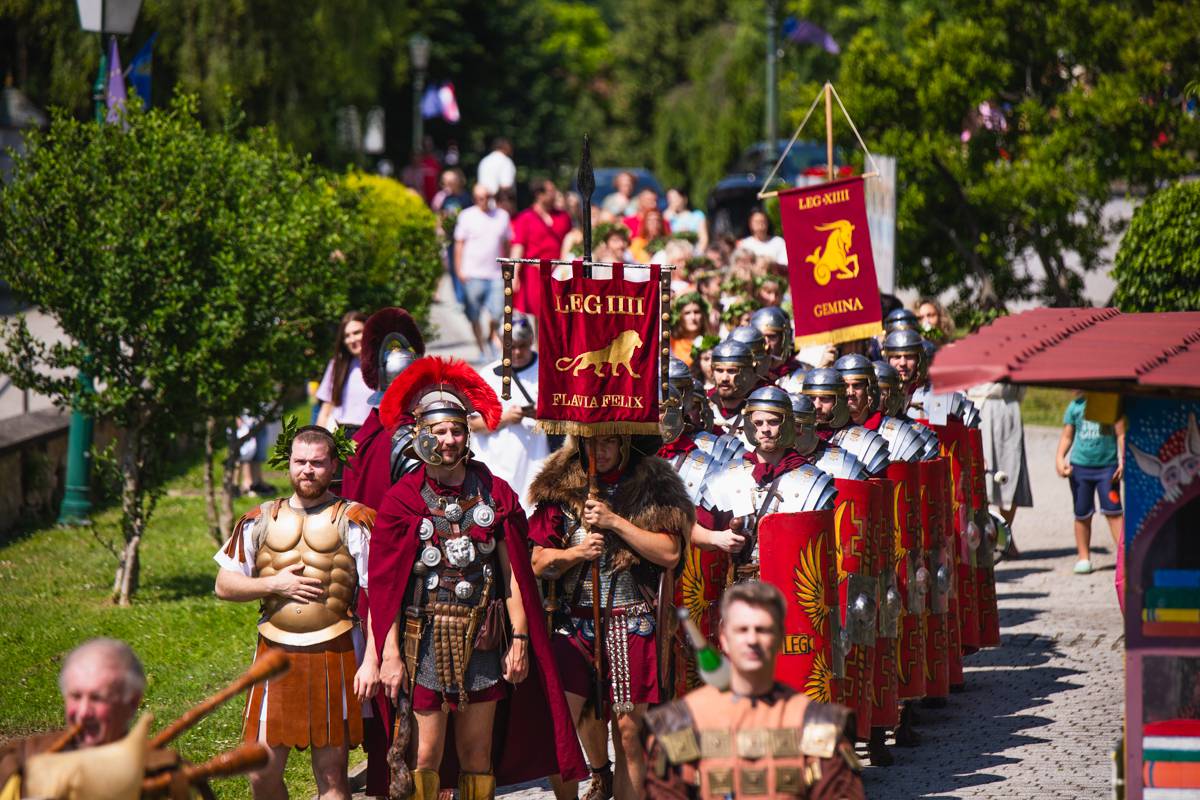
x=598 y=343
x=835 y=296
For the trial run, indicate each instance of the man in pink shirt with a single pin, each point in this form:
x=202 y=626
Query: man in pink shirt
x=537 y=232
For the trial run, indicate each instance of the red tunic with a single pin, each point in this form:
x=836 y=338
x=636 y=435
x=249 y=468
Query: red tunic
x=873 y=422
x=368 y=473
x=533 y=735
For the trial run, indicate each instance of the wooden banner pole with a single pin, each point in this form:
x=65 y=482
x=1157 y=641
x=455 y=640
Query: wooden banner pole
x=829 y=130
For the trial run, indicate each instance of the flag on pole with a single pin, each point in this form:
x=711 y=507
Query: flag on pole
x=449 y=103
x=802 y=31
x=835 y=296
x=114 y=94
x=139 y=70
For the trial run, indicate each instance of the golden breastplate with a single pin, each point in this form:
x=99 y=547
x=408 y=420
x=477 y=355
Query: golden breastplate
x=293 y=537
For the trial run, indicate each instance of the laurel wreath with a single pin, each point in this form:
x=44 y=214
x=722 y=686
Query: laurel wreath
x=281 y=453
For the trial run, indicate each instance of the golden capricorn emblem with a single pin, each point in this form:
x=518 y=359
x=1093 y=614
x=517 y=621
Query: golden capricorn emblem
x=836 y=257
x=617 y=353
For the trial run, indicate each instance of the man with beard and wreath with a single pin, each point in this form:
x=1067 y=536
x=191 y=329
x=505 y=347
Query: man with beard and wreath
x=758 y=738
x=773 y=478
x=635 y=523
x=516 y=449
x=451 y=585
x=304 y=558
x=391 y=342
x=776 y=327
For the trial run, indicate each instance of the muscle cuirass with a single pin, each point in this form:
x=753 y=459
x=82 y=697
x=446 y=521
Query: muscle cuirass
x=285 y=537
x=621 y=587
x=866 y=445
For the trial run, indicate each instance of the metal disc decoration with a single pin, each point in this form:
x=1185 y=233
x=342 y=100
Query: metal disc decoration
x=454 y=512
x=486 y=547
x=463 y=589
x=431 y=556
x=432 y=581
x=483 y=515
x=426 y=530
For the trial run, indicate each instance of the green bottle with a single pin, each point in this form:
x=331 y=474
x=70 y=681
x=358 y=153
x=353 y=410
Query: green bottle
x=713 y=669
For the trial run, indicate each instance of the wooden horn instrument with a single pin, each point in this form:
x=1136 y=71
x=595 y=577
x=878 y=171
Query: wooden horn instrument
x=243 y=758
x=272 y=663
x=65 y=739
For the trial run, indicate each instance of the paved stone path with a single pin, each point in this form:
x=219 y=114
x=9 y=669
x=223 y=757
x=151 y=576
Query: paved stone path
x=1041 y=713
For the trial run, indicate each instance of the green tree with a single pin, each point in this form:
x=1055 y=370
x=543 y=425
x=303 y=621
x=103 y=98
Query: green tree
x=188 y=272
x=395 y=255
x=1088 y=95
x=1158 y=263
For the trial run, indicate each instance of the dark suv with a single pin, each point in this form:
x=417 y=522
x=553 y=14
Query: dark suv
x=736 y=195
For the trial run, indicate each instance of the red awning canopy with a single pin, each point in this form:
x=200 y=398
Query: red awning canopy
x=1086 y=348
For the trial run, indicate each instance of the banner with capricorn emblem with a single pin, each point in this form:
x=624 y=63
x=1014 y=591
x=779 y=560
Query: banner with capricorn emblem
x=599 y=342
x=835 y=296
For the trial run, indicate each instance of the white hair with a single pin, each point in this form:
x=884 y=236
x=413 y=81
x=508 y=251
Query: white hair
x=115 y=653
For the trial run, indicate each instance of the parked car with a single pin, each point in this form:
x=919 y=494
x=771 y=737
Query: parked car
x=606 y=176
x=736 y=195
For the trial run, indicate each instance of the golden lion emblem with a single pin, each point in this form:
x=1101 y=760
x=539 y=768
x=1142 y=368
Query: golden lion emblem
x=617 y=353
x=836 y=257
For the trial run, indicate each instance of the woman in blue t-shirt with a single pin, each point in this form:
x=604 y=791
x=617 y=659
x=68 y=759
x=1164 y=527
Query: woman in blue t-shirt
x=1097 y=460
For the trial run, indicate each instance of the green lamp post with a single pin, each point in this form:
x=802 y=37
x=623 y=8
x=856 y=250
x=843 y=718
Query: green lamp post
x=111 y=17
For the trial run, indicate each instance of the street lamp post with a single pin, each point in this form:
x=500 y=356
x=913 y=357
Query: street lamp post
x=772 y=120
x=104 y=17
x=418 y=49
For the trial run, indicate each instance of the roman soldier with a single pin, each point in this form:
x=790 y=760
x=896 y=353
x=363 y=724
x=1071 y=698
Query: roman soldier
x=753 y=338
x=696 y=416
x=734 y=376
x=516 y=450
x=391 y=342
x=609 y=529
x=776 y=327
x=455 y=616
x=860 y=435
x=303 y=558
x=758 y=737
x=826 y=390
x=901 y=318
x=773 y=478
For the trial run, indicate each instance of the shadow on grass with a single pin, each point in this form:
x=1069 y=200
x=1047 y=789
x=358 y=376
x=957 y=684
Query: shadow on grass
x=183 y=586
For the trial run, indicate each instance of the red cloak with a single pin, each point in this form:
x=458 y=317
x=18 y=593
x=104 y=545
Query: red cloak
x=368 y=473
x=535 y=715
x=873 y=422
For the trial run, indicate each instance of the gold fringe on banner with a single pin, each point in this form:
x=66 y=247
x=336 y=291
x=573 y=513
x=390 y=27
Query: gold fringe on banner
x=562 y=427
x=838 y=335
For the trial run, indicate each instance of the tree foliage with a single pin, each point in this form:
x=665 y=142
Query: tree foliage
x=397 y=257
x=189 y=272
x=1158 y=264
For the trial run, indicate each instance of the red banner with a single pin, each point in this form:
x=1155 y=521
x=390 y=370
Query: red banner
x=598 y=347
x=835 y=297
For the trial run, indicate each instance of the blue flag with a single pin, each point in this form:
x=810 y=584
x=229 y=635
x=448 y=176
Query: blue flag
x=139 y=70
x=114 y=95
x=802 y=31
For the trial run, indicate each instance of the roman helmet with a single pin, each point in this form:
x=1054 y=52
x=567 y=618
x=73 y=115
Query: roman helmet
x=793 y=382
x=891 y=393
x=805 y=414
x=775 y=400
x=522 y=329
x=859 y=367
x=774 y=320
x=391 y=343
x=671 y=414
x=901 y=318
x=752 y=337
x=906 y=340
x=826 y=382
x=733 y=352
x=434 y=390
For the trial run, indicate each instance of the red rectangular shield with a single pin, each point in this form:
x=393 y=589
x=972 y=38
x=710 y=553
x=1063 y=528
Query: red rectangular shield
x=835 y=296
x=598 y=342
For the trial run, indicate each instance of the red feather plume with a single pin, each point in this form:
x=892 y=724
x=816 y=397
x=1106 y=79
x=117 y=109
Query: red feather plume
x=426 y=374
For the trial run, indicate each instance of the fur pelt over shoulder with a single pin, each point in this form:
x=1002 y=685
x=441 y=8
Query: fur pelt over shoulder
x=652 y=498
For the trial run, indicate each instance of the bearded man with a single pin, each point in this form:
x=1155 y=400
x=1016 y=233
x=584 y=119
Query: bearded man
x=633 y=522
x=734 y=377
x=303 y=558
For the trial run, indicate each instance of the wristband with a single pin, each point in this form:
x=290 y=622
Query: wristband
x=522 y=636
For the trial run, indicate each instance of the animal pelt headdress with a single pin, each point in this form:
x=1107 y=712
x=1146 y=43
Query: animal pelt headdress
x=379 y=325
x=652 y=496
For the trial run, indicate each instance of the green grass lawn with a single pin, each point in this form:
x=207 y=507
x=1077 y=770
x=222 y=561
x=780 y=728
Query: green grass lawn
x=55 y=593
x=1045 y=406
